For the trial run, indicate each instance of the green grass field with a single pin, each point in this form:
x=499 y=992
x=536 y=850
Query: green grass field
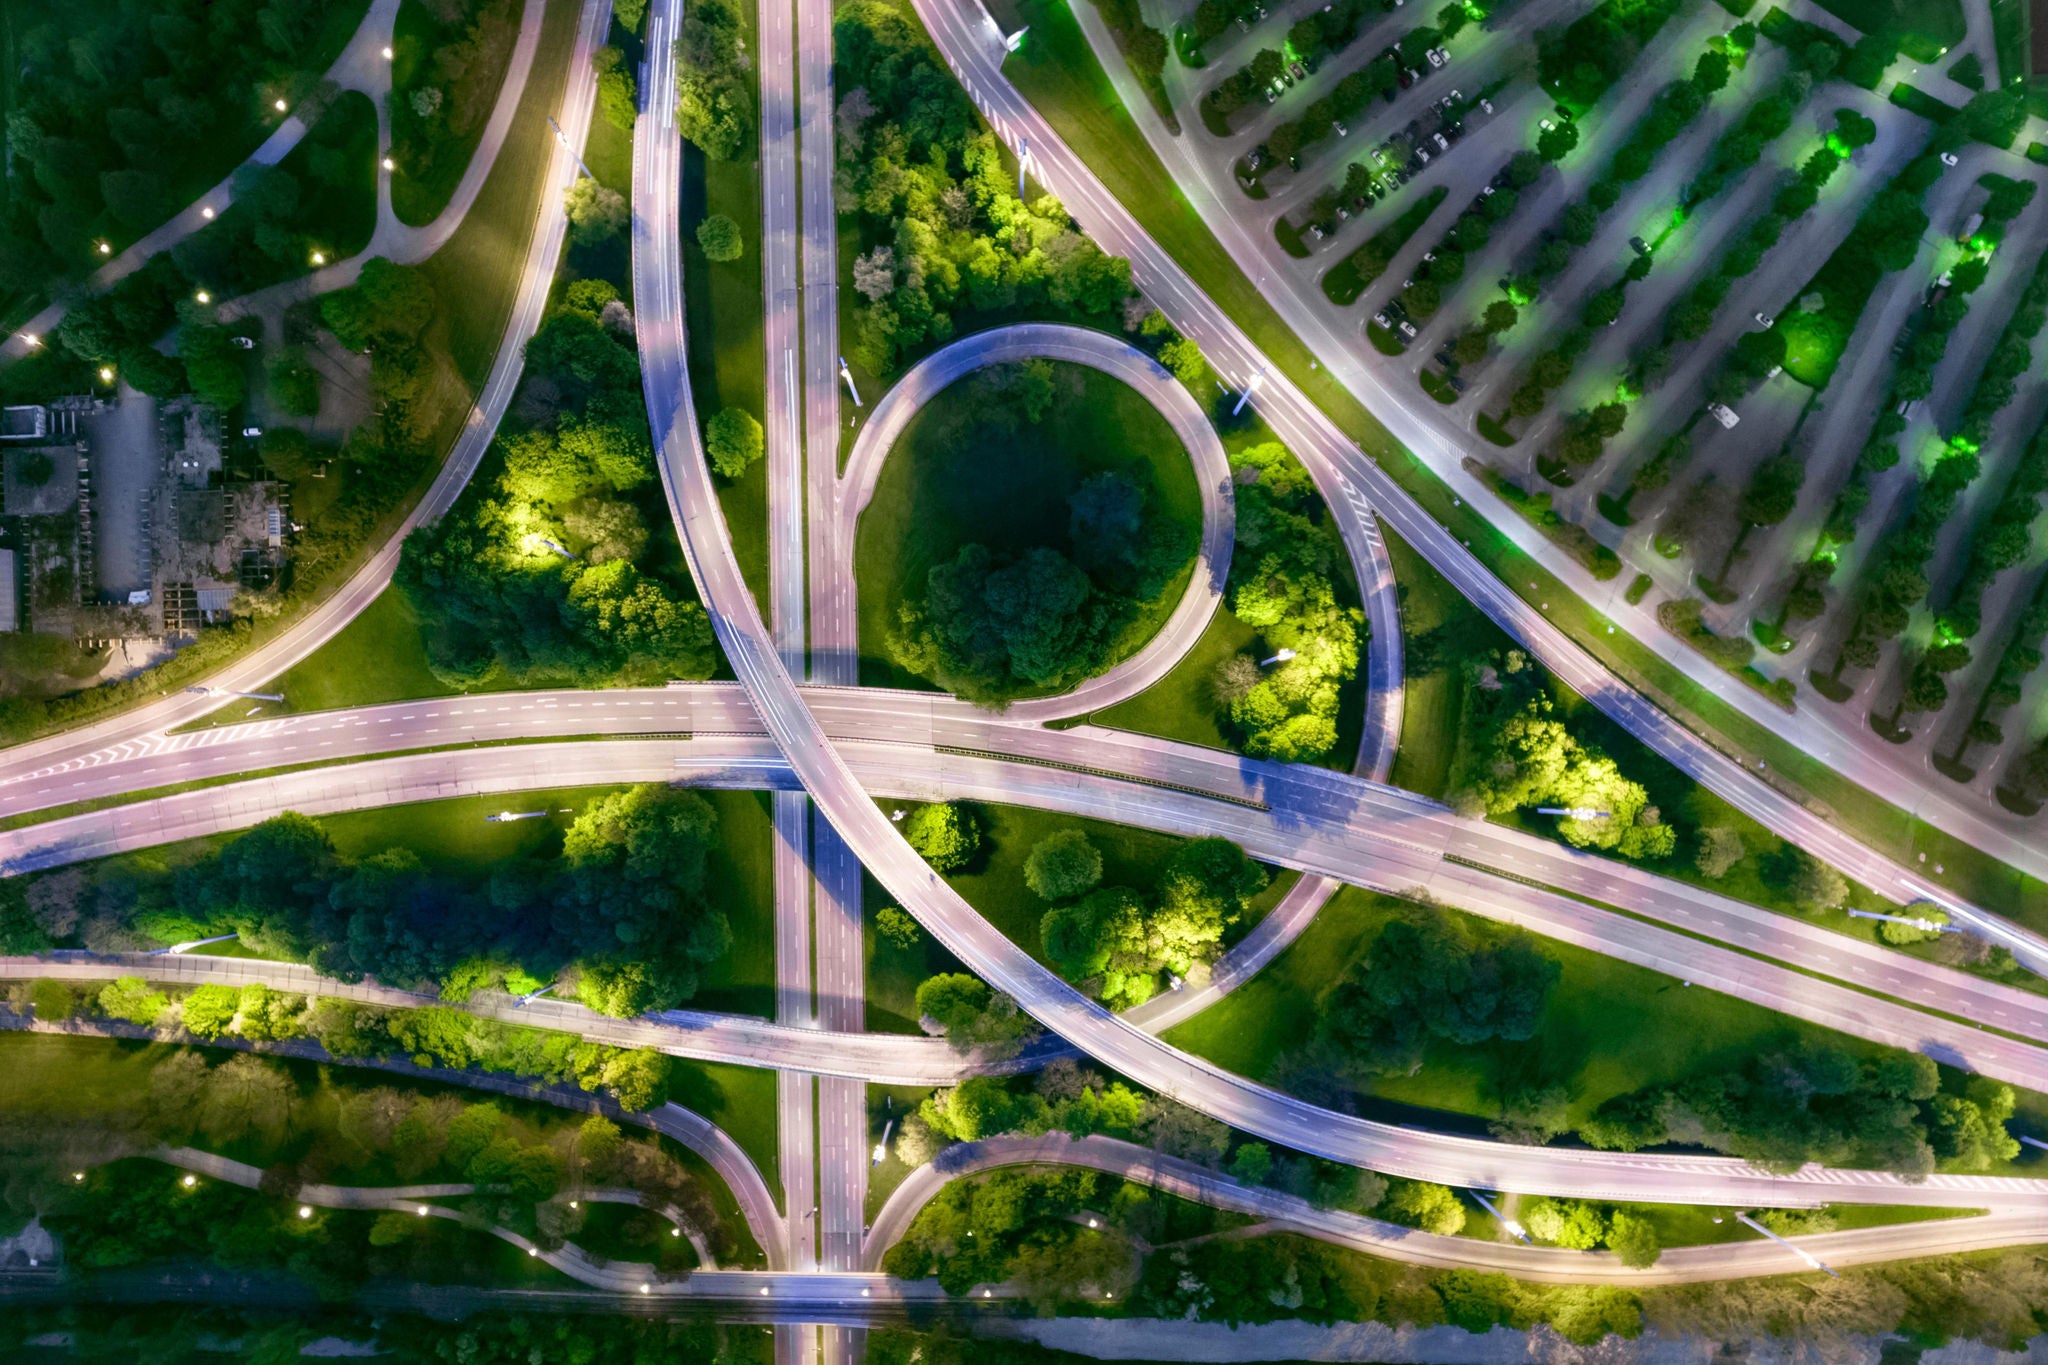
x=1610 y=1028
x=1182 y=705
x=478 y=271
x=377 y=657
x=947 y=483
x=722 y=306
x=417 y=35
x=1440 y=628
x=994 y=886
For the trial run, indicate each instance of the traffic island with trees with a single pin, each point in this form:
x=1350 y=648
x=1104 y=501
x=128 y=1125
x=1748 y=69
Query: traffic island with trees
x=624 y=912
x=1023 y=573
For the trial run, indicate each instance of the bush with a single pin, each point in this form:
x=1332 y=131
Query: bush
x=733 y=441
x=719 y=236
x=947 y=835
x=1063 y=865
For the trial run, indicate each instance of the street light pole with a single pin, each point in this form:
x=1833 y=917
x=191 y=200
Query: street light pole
x=189 y=944
x=1800 y=1252
x=1515 y=1229
x=563 y=138
x=847 y=375
x=1915 y=921
x=1249 y=389
x=203 y=690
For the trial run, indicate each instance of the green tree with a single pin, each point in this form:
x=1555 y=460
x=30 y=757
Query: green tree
x=1063 y=865
x=946 y=834
x=1574 y=1224
x=719 y=236
x=639 y=1077
x=733 y=441
x=1184 y=358
x=209 y=1011
x=131 y=1000
x=1251 y=1163
x=1634 y=1239
x=1720 y=850
x=617 y=99
x=595 y=211
x=1419 y=1204
x=897 y=927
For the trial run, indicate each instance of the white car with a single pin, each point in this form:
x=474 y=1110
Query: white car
x=1338 y=124
x=244 y=343
x=1438 y=58
x=1407 y=329
x=252 y=432
x=1764 y=320
x=1949 y=159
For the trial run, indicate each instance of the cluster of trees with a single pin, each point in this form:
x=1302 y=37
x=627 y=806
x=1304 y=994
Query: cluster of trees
x=1783 y=1109
x=1579 y=62
x=993 y=625
x=1143 y=46
x=430 y=1035
x=617 y=97
x=1897 y=577
x=1066 y=1097
x=973 y=1016
x=1346 y=280
x=943 y=235
x=1379 y=77
x=267 y=234
x=439 y=112
x=386 y=313
x=1266 y=1279
x=714 y=82
x=626 y=905
x=1583 y=1225
x=2002 y=538
x=1754 y=353
x=533 y=575
x=1470 y=233
x=1518 y=753
x=1287 y=582
x=1115 y=941
x=1430 y=979
x=112 y=121
x=1677 y=107
x=1024 y=1226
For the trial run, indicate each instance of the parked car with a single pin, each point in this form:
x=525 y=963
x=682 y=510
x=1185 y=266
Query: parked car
x=1297 y=70
x=1723 y=414
x=1639 y=246
x=1764 y=320
x=1437 y=58
x=1383 y=320
x=1443 y=144
x=1338 y=124
x=1407 y=329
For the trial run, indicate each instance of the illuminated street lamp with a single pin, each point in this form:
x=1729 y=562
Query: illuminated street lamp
x=1280 y=658
x=106 y=374
x=203 y=296
x=206 y=212
x=389 y=164
x=106 y=248
x=31 y=340
x=387 y=54
x=319 y=258
x=280 y=106
x=189 y=1181
x=1575 y=812
x=305 y=1211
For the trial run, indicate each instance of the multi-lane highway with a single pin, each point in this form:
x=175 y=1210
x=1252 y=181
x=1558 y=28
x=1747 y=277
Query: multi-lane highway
x=1311 y=818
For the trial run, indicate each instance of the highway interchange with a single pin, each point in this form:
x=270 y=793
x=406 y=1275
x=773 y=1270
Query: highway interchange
x=842 y=747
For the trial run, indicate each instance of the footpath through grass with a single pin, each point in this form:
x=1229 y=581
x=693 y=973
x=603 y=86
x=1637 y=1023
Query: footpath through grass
x=1057 y=71
x=951 y=480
